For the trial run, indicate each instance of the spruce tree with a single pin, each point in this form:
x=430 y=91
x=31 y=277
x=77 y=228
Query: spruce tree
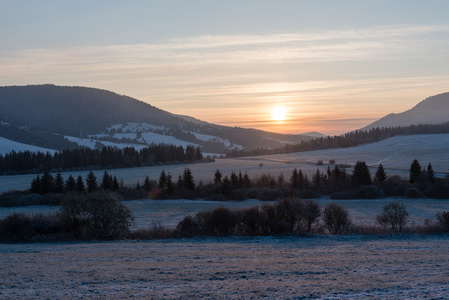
x=91 y=181
x=162 y=180
x=415 y=171
x=106 y=181
x=217 y=178
x=59 y=184
x=380 y=175
x=70 y=184
x=147 y=184
x=80 y=184
x=115 y=184
x=36 y=185
x=234 y=180
x=47 y=183
x=361 y=174
x=187 y=178
x=430 y=173
x=294 y=179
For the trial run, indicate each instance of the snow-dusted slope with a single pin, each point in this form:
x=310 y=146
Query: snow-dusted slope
x=7 y=146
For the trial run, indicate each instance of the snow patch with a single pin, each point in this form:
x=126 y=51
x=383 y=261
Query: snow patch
x=6 y=146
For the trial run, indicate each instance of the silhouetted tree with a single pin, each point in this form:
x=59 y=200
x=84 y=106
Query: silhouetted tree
x=91 y=181
x=430 y=173
x=70 y=184
x=361 y=174
x=187 y=178
x=217 y=178
x=59 y=184
x=47 y=183
x=106 y=181
x=80 y=188
x=147 y=184
x=36 y=185
x=162 y=180
x=380 y=175
x=415 y=171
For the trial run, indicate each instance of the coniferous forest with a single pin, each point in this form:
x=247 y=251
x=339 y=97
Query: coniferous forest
x=108 y=158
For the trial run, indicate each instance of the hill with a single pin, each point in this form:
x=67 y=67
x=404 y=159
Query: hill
x=59 y=117
x=433 y=110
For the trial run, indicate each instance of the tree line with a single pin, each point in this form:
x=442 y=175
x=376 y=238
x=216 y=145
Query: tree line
x=337 y=181
x=350 y=139
x=107 y=158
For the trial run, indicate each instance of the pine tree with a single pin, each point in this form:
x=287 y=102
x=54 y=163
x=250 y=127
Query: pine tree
x=169 y=188
x=36 y=185
x=294 y=179
x=47 y=183
x=301 y=179
x=246 y=181
x=234 y=180
x=361 y=174
x=106 y=181
x=70 y=184
x=430 y=173
x=162 y=180
x=59 y=184
x=91 y=181
x=187 y=178
x=115 y=184
x=415 y=171
x=80 y=184
x=217 y=178
x=147 y=184
x=380 y=175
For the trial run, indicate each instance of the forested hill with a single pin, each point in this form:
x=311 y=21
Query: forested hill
x=41 y=115
x=74 y=110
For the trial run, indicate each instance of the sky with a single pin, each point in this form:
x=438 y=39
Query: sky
x=289 y=66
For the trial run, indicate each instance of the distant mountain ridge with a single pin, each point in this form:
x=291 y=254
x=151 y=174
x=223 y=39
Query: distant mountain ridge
x=42 y=115
x=432 y=110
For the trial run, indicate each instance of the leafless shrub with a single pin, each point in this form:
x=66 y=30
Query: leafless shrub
x=443 y=219
x=394 y=216
x=336 y=218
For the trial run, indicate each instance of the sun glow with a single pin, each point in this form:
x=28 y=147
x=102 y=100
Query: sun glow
x=278 y=113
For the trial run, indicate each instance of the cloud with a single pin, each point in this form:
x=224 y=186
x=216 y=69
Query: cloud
x=238 y=77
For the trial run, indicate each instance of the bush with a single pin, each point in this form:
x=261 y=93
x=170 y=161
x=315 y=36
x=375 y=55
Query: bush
x=98 y=215
x=219 y=221
x=188 y=226
x=413 y=193
x=336 y=218
x=23 y=228
x=369 y=192
x=394 y=216
x=443 y=219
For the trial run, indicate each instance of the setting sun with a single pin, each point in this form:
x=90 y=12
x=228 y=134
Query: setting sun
x=278 y=113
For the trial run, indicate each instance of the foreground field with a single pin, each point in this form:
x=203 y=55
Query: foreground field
x=233 y=268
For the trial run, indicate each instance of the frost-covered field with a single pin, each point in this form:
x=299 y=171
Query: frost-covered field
x=396 y=154
x=401 y=267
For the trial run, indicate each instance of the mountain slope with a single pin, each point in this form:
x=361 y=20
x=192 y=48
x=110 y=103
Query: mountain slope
x=56 y=111
x=433 y=110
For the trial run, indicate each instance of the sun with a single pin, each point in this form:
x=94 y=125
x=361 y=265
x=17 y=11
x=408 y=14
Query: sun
x=278 y=113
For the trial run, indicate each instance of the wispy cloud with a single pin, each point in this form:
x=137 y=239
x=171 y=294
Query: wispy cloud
x=313 y=73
